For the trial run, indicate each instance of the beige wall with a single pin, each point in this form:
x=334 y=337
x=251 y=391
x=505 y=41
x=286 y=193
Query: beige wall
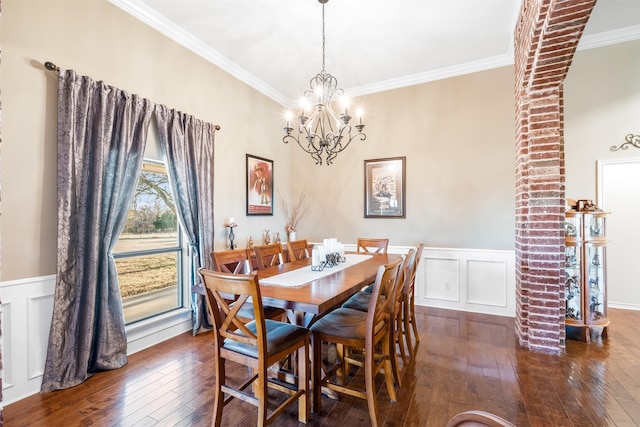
x=97 y=39
x=602 y=106
x=457 y=135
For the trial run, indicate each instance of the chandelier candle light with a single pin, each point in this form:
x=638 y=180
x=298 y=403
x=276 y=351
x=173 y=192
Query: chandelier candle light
x=322 y=131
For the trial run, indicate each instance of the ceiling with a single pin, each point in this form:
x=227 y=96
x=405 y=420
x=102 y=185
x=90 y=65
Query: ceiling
x=275 y=46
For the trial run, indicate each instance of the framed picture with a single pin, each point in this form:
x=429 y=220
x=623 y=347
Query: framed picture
x=384 y=188
x=259 y=186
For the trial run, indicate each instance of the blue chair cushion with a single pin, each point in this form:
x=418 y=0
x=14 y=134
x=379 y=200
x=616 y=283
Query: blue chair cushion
x=359 y=301
x=280 y=335
x=343 y=322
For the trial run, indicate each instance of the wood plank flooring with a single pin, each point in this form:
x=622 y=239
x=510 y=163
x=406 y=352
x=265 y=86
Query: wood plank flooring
x=465 y=361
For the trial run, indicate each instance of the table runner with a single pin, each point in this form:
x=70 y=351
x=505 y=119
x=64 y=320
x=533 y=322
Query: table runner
x=305 y=275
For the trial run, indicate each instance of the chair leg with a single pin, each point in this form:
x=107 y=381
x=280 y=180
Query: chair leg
x=343 y=370
x=261 y=395
x=392 y=335
x=401 y=339
x=406 y=320
x=370 y=386
x=316 y=375
x=388 y=373
x=218 y=398
x=413 y=319
x=303 y=382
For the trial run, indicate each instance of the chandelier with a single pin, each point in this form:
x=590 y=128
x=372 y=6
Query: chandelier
x=321 y=130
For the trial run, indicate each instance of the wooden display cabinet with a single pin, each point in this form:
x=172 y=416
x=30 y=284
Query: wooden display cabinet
x=585 y=275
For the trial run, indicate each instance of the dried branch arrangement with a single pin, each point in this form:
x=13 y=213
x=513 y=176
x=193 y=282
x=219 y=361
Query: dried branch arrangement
x=297 y=211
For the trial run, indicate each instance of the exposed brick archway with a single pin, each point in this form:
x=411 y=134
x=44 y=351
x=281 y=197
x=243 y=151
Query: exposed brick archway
x=546 y=39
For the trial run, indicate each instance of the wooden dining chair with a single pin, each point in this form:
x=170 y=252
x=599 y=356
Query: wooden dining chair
x=238 y=261
x=298 y=249
x=362 y=331
x=372 y=246
x=257 y=344
x=269 y=255
x=408 y=306
x=361 y=301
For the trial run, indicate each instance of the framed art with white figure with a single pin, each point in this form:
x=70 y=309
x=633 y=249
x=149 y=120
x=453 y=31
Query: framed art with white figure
x=384 y=188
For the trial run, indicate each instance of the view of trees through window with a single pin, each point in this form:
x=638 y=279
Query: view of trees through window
x=148 y=253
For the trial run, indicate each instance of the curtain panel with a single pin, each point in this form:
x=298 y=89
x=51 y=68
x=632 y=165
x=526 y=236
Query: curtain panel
x=101 y=138
x=187 y=144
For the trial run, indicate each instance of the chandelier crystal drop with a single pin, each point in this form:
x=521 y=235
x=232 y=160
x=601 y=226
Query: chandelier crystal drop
x=322 y=131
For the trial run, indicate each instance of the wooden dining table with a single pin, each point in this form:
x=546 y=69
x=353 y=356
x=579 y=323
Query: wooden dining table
x=312 y=299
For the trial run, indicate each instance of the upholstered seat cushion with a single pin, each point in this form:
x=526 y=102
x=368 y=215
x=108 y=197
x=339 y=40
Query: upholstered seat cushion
x=342 y=322
x=280 y=335
x=359 y=301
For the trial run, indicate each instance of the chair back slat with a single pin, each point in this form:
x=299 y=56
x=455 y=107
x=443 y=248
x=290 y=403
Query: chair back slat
x=236 y=261
x=298 y=249
x=413 y=270
x=372 y=246
x=379 y=313
x=227 y=324
x=268 y=255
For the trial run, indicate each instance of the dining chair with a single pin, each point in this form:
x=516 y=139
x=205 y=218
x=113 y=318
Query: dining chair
x=256 y=344
x=298 y=249
x=478 y=419
x=372 y=246
x=269 y=255
x=238 y=261
x=409 y=309
x=362 y=300
x=359 y=330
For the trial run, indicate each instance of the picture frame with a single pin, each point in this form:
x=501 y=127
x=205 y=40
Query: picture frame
x=259 y=188
x=385 y=188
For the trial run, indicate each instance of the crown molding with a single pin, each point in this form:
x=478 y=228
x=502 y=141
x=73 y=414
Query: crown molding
x=150 y=17
x=607 y=38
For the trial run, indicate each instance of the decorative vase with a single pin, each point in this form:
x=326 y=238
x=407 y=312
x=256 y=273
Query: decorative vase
x=292 y=236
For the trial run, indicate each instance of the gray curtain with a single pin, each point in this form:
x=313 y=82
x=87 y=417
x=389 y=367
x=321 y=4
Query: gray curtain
x=187 y=144
x=101 y=137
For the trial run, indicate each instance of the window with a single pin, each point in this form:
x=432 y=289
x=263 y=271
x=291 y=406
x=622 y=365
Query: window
x=149 y=252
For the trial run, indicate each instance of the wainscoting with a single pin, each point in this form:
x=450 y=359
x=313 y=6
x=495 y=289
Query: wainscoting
x=26 y=311
x=478 y=281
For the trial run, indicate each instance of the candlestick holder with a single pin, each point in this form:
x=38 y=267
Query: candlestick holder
x=231 y=246
x=331 y=260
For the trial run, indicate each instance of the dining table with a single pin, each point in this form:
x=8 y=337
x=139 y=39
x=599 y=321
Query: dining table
x=307 y=295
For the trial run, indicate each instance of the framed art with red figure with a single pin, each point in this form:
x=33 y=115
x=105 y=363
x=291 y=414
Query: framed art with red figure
x=259 y=185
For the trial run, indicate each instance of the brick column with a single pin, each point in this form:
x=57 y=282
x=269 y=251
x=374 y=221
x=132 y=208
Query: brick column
x=546 y=38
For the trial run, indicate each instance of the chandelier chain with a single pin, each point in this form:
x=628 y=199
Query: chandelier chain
x=323 y=37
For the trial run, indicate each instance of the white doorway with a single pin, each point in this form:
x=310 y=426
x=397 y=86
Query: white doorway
x=619 y=193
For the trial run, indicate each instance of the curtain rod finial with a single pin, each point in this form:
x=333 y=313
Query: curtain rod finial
x=217 y=127
x=51 y=66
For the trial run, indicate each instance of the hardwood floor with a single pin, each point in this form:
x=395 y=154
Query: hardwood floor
x=465 y=361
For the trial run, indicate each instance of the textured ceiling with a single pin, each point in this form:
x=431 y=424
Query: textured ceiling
x=275 y=46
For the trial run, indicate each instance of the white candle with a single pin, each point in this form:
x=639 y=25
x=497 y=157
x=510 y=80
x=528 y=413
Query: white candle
x=231 y=220
x=315 y=257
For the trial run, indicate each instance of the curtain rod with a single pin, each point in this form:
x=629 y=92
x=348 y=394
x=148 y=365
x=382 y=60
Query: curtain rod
x=53 y=67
